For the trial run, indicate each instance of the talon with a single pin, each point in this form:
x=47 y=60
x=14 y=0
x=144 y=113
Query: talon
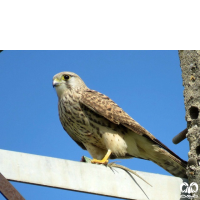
x=104 y=160
x=99 y=161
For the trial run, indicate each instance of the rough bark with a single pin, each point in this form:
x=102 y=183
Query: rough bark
x=190 y=65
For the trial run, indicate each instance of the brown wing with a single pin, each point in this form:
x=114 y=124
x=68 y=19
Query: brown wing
x=107 y=108
x=104 y=106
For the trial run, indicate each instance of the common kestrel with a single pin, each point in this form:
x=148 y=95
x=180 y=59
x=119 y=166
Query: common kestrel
x=99 y=125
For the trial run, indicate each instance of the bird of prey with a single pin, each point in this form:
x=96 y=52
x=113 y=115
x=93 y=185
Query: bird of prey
x=99 y=125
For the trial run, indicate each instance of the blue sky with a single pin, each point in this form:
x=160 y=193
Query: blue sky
x=146 y=84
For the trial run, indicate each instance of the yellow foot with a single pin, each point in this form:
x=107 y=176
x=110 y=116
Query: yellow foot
x=94 y=161
x=104 y=160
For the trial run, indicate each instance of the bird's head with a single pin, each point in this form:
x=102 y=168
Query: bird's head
x=66 y=82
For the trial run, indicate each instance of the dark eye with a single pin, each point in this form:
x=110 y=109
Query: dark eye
x=66 y=77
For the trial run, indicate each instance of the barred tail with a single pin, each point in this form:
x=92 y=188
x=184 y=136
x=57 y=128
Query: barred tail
x=174 y=165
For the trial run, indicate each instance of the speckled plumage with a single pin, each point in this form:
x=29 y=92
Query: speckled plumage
x=97 y=124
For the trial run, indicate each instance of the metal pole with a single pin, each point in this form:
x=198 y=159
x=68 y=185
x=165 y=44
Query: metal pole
x=89 y=178
x=180 y=137
x=8 y=191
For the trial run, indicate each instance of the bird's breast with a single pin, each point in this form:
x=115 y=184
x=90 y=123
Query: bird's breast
x=76 y=122
x=85 y=124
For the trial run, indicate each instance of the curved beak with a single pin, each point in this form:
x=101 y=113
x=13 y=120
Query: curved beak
x=56 y=82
